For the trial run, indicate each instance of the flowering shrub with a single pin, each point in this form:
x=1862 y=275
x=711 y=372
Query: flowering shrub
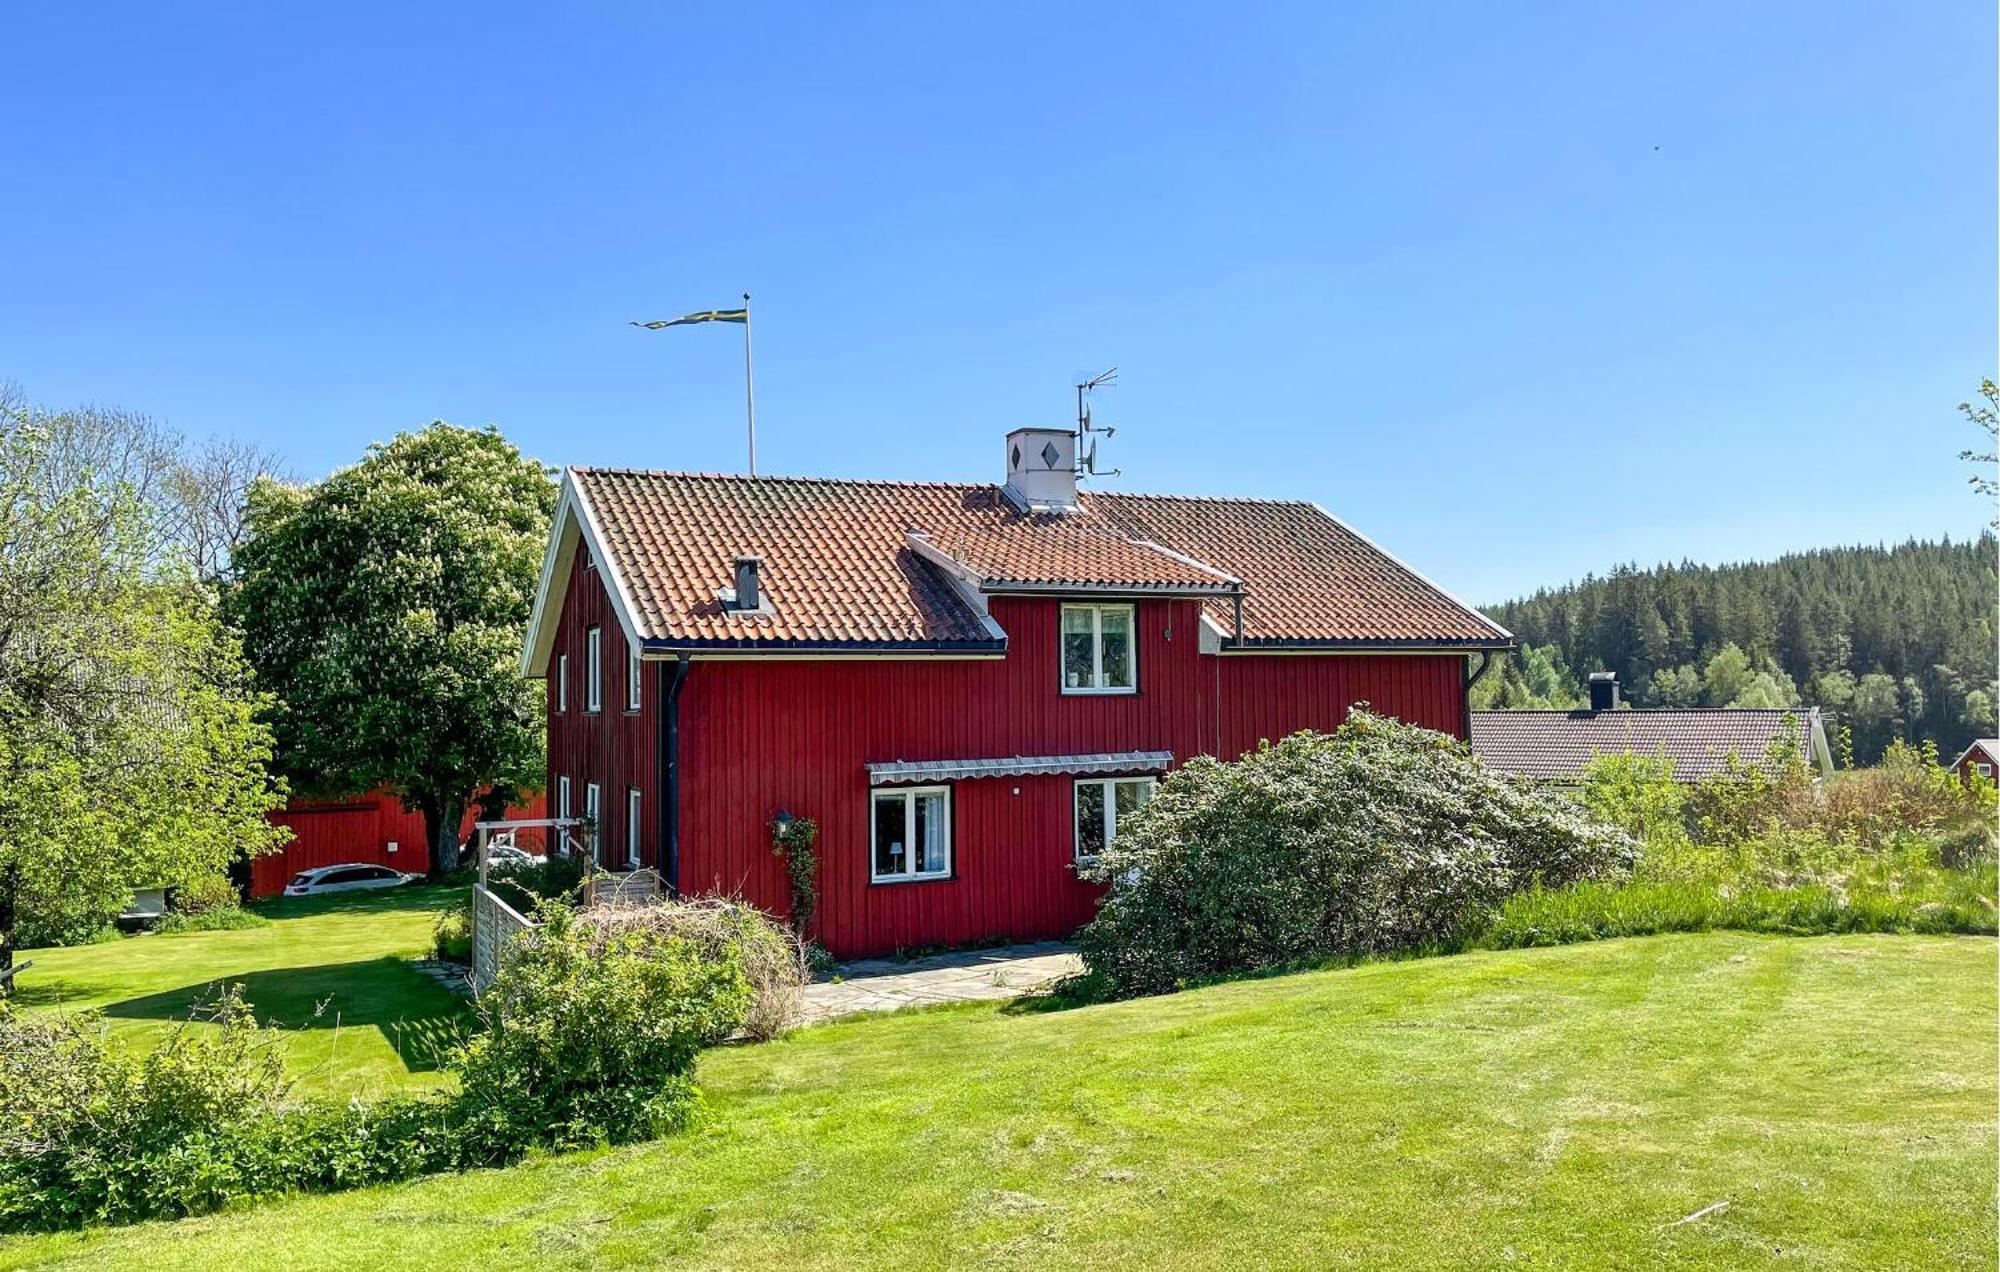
x=1376 y=837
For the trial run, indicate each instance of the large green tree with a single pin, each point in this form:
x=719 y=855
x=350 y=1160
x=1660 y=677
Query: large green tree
x=130 y=751
x=385 y=606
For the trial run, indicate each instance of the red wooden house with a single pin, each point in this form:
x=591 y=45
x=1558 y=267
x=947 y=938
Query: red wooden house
x=1981 y=759
x=965 y=686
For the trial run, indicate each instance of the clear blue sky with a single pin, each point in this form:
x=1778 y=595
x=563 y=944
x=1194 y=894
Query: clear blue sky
x=1521 y=291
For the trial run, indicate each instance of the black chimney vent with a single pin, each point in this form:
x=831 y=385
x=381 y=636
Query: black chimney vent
x=747 y=595
x=1603 y=691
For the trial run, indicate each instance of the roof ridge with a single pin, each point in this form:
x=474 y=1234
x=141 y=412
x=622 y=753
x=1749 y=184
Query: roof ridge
x=695 y=474
x=907 y=483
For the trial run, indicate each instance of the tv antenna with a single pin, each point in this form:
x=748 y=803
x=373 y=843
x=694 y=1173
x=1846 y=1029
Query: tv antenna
x=1087 y=458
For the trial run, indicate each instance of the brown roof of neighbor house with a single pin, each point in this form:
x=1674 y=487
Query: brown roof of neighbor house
x=1557 y=745
x=841 y=565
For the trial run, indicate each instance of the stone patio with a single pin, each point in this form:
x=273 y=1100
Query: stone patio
x=885 y=984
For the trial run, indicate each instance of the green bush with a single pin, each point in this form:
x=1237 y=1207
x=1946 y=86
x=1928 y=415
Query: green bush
x=90 y=1136
x=1377 y=837
x=772 y=957
x=591 y=1042
x=526 y=886
x=451 y=934
x=592 y=1035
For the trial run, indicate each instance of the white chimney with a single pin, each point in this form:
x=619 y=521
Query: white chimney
x=1041 y=469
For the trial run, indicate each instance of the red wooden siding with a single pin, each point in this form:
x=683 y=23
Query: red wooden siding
x=357 y=830
x=614 y=747
x=760 y=736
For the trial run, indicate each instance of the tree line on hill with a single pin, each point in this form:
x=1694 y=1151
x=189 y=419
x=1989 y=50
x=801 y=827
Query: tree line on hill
x=1893 y=642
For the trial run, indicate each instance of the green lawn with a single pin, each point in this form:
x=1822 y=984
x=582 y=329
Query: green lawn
x=1537 y=1108
x=330 y=968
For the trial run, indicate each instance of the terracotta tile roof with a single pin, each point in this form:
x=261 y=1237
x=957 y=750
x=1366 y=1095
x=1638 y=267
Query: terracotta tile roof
x=839 y=566
x=1307 y=576
x=1556 y=745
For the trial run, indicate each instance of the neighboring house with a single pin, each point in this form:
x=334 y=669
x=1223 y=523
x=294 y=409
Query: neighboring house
x=1555 y=746
x=1982 y=757
x=965 y=686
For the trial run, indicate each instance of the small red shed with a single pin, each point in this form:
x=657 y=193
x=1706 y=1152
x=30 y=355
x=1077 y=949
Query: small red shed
x=1981 y=758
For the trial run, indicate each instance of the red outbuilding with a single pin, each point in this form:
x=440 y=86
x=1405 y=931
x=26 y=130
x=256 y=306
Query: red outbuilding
x=372 y=830
x=1981 y=759
x=964 y=686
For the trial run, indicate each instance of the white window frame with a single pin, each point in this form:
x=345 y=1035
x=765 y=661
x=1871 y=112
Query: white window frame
x=593 y=813
x=908 y=795
x=1097 y=611
x=562 y=797
x=633 y=821
x=1984 y=770
x=562 y=682
x=633 y=680
x=1110 y=814
x=593 y=670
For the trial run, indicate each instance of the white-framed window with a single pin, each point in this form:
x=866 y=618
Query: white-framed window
x=562 y=682
x=593 y=670
x=1100 y=802
x=1099 y=649
x=910 y=834
x=562 y=796
x=591 y=809
x=1985 y=770
x=632 y=824
x=633 y=682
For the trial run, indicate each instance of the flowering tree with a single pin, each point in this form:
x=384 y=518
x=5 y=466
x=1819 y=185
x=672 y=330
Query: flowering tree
x=385 y=608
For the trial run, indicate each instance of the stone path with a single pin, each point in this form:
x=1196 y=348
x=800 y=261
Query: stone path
x=885 y=984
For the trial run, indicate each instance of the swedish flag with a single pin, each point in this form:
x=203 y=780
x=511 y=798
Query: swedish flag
x=706 y=315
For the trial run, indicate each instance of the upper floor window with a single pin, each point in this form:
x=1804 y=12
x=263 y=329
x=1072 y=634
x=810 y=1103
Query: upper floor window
x=562 y=682
x=632 y=680
x=1098 y=649
x=593 y=670
x=1099 y=805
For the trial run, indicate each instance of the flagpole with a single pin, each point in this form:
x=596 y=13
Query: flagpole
x=749 y=386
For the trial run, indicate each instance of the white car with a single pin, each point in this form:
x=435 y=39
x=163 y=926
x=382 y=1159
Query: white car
x=348 y=878
x=507 y=857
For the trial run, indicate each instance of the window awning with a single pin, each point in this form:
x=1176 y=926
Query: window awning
x=893 y=772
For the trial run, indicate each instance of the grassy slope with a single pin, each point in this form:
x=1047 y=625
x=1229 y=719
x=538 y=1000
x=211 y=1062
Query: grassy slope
x=382 y=1024
x=1552 y=1107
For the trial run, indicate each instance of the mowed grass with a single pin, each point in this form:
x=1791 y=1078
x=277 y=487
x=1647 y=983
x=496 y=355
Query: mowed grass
x=331 y=970
x=1565 y=1107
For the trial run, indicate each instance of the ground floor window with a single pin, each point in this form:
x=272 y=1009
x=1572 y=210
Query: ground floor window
x=910 y=835
x=1099 y=805
x=632 y=823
